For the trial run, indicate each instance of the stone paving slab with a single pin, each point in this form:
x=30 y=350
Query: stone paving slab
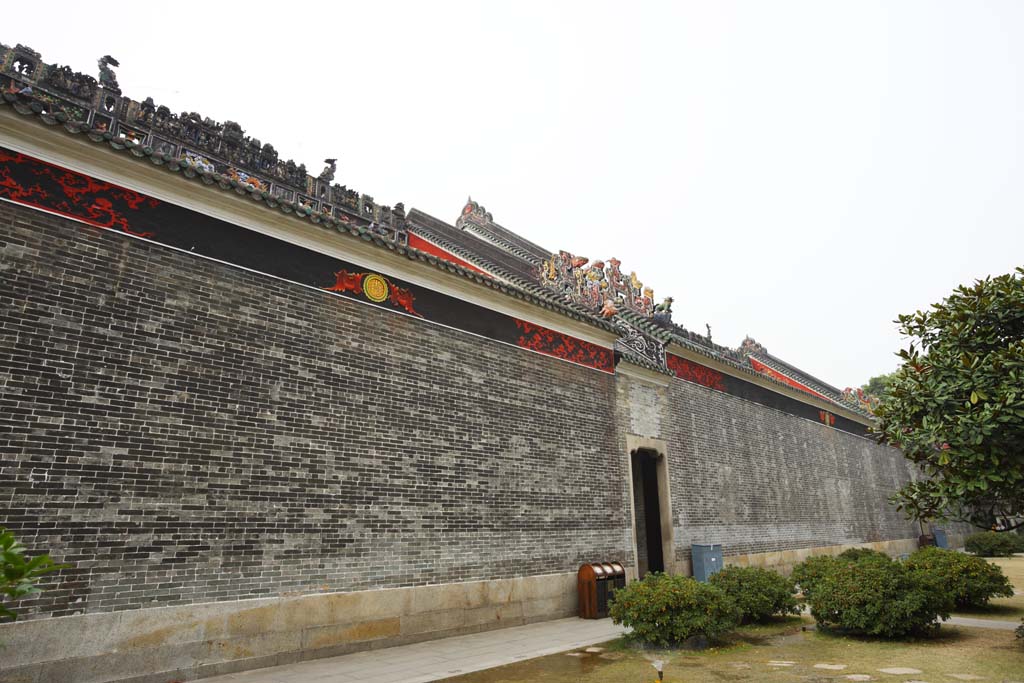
x=437 y=659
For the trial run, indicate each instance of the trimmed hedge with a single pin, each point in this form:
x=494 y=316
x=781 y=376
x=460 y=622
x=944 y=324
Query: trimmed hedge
x=994 y=544
x=879 y=597
x=759 y=593
x=971 y=580
x=666 y=609
x=808 y=573
x=811 y=570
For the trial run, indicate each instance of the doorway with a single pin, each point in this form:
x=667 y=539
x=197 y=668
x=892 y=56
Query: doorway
x=647 y=511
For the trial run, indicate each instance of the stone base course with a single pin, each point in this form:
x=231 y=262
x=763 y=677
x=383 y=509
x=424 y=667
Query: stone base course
x=178 y=643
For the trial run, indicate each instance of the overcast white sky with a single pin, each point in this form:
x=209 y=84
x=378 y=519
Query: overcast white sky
x=798 y=171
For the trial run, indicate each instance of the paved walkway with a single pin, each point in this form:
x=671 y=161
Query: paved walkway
x=436 y=659
x=983 y=623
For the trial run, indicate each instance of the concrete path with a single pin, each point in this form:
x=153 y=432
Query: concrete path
x=436 y=659
x=983 y=623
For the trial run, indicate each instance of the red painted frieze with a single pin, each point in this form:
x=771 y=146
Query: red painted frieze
x=552 y=343
x=765 y=370
x=100 y=204
x=694 y=372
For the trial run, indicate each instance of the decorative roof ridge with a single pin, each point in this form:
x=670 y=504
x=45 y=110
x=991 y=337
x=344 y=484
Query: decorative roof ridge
x=77 y=99
x=797 y=375
x=496 y=240
x=541 y=252
x=802 y=376
x=457 y=249
x=718 y=353
x=415 y=215
x=671 y=331
x=379 y=235
x=473 y=210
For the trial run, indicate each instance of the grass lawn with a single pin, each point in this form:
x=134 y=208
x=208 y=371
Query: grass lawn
x=1006 y=609
x=783 y=652
x=749 y=656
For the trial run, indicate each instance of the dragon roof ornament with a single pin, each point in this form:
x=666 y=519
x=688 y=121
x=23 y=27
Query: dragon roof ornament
x=598 y=286
x=98 y=107
x=749 y=346
x=858 y=398
x=473 y=210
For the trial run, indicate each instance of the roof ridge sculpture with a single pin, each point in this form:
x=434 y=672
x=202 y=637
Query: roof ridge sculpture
x=97 y=106
x=418 y=227
x=597 y=286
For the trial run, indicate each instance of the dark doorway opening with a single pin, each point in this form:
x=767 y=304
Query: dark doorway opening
x=647 y=512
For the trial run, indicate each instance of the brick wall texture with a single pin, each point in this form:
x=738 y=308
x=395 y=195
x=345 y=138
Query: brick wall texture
x=756 y=480
x=184 y=431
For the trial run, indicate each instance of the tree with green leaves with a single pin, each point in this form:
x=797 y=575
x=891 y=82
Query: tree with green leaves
x=878 y=385
x=956 y=406
x=19 y=572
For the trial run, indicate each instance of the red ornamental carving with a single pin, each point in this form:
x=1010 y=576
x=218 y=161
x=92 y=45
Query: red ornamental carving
x=552 y=343
x=694 y=372
x=100 y=204
x=402 y=298
x=827 y=417
x=345 y=281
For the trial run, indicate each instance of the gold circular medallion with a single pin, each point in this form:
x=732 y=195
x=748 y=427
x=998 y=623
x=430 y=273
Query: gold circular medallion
x=375 y=287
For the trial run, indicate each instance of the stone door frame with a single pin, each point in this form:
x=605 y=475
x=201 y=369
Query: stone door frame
x=636 y=443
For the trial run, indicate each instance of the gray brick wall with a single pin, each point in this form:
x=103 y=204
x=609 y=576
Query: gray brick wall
x=183 y=431
x=756 y=480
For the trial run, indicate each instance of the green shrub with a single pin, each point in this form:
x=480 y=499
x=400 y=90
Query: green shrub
x=665 y=609
x=971 y=580
x=18 y=572
x=854 y=554
x=1020 y=630
x=1017 y=538
x=759 y=593
x=879 y=597
x=810 y=571
x=992 y=544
